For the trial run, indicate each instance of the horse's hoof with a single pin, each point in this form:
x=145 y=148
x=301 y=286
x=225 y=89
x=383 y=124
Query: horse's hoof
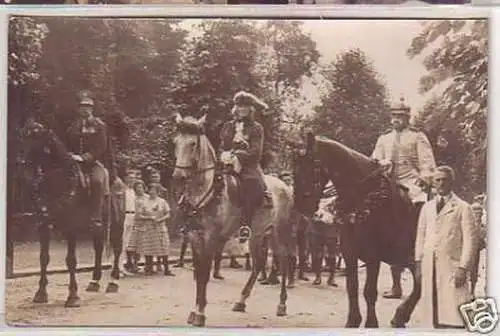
x=397 y=324
x=112 y=288
x=41 y=297
x=72 y=302
x=239 y=307
x=93 y=287
x=371 y=324
x=191 y=316
x=281 y=310
x=199 y=320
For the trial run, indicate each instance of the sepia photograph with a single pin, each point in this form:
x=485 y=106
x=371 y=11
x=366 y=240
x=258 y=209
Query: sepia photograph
x=246 y=173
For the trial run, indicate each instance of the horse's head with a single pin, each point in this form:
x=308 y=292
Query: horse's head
x=193 y=152
x=310 y=178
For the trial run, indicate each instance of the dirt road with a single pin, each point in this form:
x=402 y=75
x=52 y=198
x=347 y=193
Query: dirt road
x=164 y=301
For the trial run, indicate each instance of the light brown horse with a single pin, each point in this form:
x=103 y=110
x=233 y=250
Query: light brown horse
x=211 y=202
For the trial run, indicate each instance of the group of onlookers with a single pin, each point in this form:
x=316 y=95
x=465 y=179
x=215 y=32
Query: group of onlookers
x=145 y=230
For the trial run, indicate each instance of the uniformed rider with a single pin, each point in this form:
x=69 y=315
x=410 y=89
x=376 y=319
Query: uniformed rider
x=87 y=142
x=242 y=141
x=407 y=155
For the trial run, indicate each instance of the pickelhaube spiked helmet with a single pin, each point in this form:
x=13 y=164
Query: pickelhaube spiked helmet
x=401 y=108
x=85 y=98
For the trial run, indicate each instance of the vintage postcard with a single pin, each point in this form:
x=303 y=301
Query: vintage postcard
x=247 y=173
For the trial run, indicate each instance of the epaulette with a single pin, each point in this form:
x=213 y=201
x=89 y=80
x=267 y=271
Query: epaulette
x=387 y=131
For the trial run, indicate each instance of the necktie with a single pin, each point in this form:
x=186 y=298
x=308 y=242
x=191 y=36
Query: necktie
x=440 y=204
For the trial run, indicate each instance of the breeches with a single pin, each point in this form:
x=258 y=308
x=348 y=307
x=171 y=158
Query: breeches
x=98 y=189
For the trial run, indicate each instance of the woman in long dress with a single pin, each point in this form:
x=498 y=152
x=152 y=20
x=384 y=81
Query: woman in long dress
x=151 y=235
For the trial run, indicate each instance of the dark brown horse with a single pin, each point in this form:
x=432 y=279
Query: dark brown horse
x=61 y=201
x=384 y=230
x=212 y=202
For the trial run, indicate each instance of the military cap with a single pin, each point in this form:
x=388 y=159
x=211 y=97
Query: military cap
x=400 y=108
x=476 y=206
x=246 y=98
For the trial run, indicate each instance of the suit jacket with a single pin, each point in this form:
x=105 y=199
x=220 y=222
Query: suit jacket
x=448 y=239
x=248 y=154
x=90 y=140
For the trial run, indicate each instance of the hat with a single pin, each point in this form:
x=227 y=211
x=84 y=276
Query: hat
x=476 y=206
x=400 y=108
x=86 y=101
x=245 y=98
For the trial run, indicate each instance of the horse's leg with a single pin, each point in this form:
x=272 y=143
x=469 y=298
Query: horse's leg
x=204 y=266
x=73 y=300
x=352 y=284
x=196 y=272
x=41 y=295
x=406 y=308
x=273 y=279
x=284 y=266
x=218 y=260
x=331 y=251
x=256 y=251
x=98 y=240
x=184 y=246
x=117 y=243
x=302 y=253
x=265 y=252
x=370 y=293
x=292 y=267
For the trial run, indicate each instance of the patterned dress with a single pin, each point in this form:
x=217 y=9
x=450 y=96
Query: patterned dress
x=148 y=237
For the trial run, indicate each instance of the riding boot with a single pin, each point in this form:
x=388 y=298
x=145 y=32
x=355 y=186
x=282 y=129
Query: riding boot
x=167 y=271
x=148 y=269
x=234 y=263
x=395 y=292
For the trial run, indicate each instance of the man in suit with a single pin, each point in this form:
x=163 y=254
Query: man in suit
x=242 y=141
x=88 y=142
x=445 y=249
x=407 y=155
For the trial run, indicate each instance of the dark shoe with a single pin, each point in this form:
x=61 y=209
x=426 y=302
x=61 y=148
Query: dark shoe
x=302 y=277
x=235 y=264
x=244 y=233
x=218 y=276
x=317 y=281
x=331 y=281
x=393 y=294
x=179 y=264
x=168 y=272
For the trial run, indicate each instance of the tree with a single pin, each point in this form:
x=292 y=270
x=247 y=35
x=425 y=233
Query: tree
x=354 y=108
x=458 y=58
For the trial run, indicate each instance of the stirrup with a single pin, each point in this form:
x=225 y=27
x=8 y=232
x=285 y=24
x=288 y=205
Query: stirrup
x=244 y=233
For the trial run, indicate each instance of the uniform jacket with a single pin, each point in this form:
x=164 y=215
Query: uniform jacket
x=249 y=154
x=450 y=238
x=414 y=158
x=89 y=141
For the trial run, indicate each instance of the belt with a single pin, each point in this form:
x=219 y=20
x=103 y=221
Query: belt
x=130 y=212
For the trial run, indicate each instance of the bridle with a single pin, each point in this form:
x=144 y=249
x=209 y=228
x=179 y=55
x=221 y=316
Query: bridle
x=196 y=170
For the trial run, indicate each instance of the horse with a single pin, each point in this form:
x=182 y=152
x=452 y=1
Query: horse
x=61 y=198
x=211 y=199
x=385 y=234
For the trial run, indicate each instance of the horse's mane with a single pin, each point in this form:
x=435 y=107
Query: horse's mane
x=352 y=165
